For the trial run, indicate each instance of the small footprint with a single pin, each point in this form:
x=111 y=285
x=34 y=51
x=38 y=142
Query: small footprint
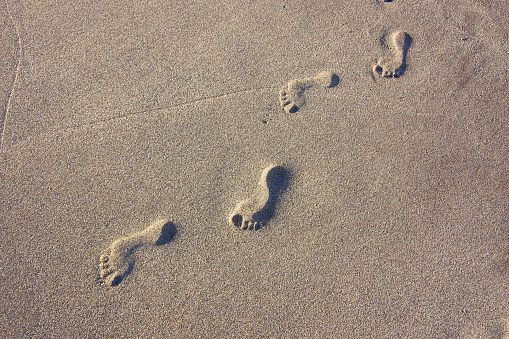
x=116 y=263
x=253 y=212
x=395 y=65
x=290 y=96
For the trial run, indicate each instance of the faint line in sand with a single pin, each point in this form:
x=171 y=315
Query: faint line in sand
x=5 y=113
x=129 y=114
x=149 y=110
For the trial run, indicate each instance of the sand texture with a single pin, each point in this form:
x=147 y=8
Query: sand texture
x=254 y=169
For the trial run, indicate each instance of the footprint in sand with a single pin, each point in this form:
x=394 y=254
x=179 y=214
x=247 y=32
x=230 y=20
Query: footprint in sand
x=117 y=262
x=395 y=65
x=291 y=95
x=255 y=211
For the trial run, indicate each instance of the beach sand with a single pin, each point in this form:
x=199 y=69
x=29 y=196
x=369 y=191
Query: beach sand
x=132 y=131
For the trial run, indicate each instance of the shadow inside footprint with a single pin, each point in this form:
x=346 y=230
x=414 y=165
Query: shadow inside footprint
x=167 y=234
x=334 y=81
x=406 y=45
x=118 y=279
x=278 y=179
x=293 y=109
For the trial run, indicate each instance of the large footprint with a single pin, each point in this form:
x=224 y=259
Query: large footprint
x=395 y=65
x=116 y=263
x=290 y=96
x=253 y=212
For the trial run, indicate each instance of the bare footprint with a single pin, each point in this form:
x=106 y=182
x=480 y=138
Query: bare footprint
x=117 y=262
x=290 y=96
x=253 y=212
x=395 y=65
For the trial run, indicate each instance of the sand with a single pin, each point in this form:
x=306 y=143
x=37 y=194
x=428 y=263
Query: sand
x=131 y=131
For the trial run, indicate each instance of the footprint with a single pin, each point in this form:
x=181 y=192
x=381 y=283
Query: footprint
x=290 y=96
x=395 y=65
x=117 y=262
x=255 y=211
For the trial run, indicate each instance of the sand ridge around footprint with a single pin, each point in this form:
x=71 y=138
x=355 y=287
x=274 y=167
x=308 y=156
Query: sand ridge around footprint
x=291 y=95
x=253 y=212
x=117 y=261
x=395 y=64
